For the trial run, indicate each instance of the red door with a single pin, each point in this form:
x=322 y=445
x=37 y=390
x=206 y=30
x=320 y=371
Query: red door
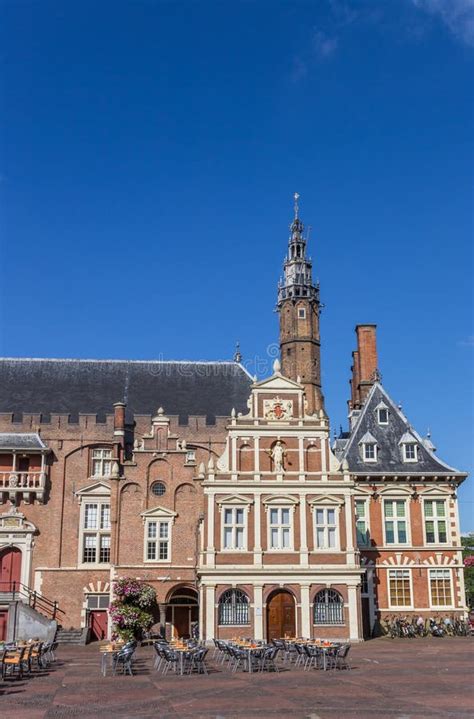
x=3 y=624
x=10 y=569
x=98 y=625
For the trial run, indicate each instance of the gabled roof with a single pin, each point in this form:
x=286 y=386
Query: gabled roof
x=70 y=386
x=21 y=440
x=388 y=438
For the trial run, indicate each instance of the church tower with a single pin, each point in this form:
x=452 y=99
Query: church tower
x=299 y=309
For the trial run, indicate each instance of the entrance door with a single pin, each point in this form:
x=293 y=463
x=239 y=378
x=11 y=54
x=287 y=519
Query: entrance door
x=181 y=622
x=10 y=569
x=3 y=624
x=281 y=616
x=98 y=625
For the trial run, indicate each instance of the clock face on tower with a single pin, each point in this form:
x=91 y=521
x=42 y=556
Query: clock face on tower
x=277 y=409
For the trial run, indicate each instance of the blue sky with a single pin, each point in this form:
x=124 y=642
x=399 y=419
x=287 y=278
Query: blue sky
x=148 y=156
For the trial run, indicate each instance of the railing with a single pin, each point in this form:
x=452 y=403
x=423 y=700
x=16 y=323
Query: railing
x=18 y=591
x=22 y=480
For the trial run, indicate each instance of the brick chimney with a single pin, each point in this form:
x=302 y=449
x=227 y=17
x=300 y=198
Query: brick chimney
x=364 y=365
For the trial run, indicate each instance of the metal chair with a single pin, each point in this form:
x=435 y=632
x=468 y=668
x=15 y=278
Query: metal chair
x=123 y=659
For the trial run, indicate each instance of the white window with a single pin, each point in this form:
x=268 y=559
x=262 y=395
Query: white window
x=362 y=523
x=440 y=587
x=234 y=528
x=95 y=532
x=369 y=450
x=101 y=462
x=435 y=521
x=190 y=456
x=382 y=415
x=280 y=528
x=395 y=521
x=399 y=587
x=325 y=522
x=410 y=452
x=301 y=313
x=157 y=540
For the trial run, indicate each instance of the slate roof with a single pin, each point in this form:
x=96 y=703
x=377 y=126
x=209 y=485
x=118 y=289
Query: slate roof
x=48 y=386
x=388 y=438
x=21 y=440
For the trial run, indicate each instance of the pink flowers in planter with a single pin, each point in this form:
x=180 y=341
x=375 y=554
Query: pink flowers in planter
x=127 y=612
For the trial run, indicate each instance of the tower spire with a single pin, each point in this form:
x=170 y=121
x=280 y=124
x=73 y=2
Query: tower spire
x=299 y=308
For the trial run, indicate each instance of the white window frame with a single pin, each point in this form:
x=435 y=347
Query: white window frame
x=233 y=508
x=404 y=450
x=379 y=421
x=336 y=526
x=157 y=515
x=395 y=519
x=451 y=586
x=280 y=526
x=435 y=519
x=301 y=313
x=190 y=457
x=364 y=453
x=410 y=579
x=104 y=456
x=97 y=532
x=366 y=519
x=158 y=521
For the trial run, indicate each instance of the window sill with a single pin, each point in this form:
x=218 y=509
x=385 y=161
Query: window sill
x=343 y=624
x=157 y=561
x=94 y=565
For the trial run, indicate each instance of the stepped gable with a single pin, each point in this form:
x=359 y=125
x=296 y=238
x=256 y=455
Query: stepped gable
x=389 y=439
x=73 y=387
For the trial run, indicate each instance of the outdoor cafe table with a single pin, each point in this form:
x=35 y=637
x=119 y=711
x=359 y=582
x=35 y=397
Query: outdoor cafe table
x=182 y=652
x=324 y=647
x=107 y=650
x=248 y=649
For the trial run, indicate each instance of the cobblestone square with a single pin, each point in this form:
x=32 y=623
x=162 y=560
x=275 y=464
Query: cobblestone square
x=397 y=679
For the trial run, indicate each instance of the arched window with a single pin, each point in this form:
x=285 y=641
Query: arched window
x=328 y=607
x=233 y=608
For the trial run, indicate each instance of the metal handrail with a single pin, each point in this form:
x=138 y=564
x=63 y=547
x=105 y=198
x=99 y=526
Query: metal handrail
x=35 y=600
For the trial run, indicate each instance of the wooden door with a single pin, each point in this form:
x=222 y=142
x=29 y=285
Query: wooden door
x=366 y=618
x=98 y=625
x=281 y=616
x=3 y=624
x=10 y=569
x=181 y=622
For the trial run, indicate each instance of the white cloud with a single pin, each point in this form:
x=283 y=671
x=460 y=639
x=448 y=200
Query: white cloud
x=324 y=45
x=457 y=15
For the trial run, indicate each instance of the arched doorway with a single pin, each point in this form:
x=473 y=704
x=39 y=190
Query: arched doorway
x=281 y=615
x=182 y=612
x=10 y=569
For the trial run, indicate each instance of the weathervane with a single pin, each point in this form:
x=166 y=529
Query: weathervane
x=297 y=197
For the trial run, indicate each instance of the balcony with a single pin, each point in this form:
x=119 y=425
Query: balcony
x=30 y=485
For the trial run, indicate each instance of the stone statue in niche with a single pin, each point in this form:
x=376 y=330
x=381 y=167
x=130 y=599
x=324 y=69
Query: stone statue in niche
x=278 y=455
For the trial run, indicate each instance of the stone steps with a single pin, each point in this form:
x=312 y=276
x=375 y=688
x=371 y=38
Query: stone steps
x=70 y=636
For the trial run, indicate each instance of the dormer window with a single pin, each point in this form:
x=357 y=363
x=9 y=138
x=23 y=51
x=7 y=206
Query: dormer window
x=382 y=413
x=370 y=452
x=410 y=453
x=368 y=447
x=409 y=448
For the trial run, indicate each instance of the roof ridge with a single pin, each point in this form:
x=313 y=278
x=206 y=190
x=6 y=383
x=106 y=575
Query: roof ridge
x=128 y=361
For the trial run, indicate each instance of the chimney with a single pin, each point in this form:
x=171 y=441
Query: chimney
x=364 y=364
x=119 y=419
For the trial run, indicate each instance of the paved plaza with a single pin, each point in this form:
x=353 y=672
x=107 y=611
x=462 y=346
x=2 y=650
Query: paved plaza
x=398 y=679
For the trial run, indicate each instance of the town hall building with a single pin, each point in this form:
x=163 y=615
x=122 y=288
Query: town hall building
x=223 y=492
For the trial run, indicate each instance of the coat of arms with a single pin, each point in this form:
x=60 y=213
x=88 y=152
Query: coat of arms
x=277 y=409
